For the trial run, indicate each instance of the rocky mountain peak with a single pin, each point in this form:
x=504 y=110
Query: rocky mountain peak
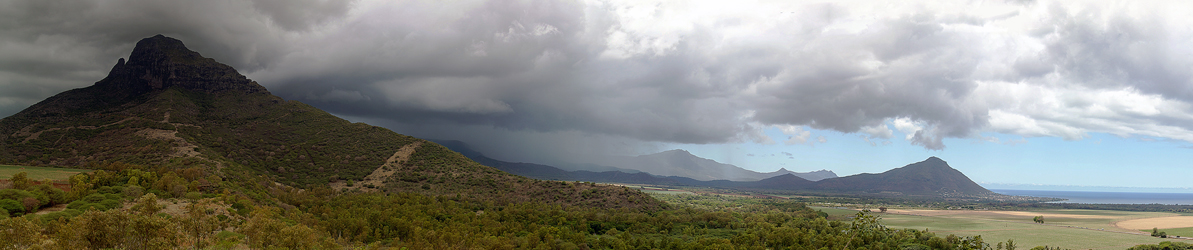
x=161 y=62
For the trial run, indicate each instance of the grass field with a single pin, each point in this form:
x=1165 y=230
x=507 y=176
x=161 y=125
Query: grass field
x=1070 y=229
x=655 y=190
x=39 y=173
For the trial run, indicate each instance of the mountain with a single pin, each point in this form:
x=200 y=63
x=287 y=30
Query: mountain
x=932 y=177
x=811 y=176
x=585 y=172
x=170 y=107
x=682 y=163
x=929 y=177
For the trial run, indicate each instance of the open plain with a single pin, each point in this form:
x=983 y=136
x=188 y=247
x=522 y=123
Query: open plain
x=1157 y=222
x=1069 y=229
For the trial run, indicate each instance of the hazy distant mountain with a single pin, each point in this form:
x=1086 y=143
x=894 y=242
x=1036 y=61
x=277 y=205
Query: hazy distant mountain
x=682 y=163
x=811 y=176
x=933 y=176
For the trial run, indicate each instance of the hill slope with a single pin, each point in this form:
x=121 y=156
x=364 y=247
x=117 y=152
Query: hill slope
x=169 y=106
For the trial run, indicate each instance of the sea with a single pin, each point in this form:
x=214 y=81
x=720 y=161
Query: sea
x=1089 y=197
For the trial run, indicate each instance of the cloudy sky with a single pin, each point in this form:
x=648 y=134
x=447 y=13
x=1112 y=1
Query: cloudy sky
x=1023 y=92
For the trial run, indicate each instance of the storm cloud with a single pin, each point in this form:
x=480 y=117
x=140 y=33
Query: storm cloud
x=631 y=72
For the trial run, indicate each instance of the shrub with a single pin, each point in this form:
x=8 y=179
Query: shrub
x=110 y=204
x=77 y=204
x=134 y=191
x=54 y=216
x=12 y=207
x=54 y=195
x=15 y=194
x=109 y=190
x=31 y=204
x=114 y=196
x=93 y=198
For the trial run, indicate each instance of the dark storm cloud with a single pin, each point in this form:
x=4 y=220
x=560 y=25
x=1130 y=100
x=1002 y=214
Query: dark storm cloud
x=300 y=15
x=53 y=46
x=652 y=72
x=518 y=65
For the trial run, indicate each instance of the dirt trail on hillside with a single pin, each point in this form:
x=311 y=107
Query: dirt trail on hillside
x=182 y=148
x=379 y=175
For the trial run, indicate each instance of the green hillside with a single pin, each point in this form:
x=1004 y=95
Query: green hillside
x=171 y=108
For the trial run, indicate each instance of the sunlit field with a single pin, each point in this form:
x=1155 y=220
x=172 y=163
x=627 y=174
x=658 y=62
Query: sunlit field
x=1070 y=229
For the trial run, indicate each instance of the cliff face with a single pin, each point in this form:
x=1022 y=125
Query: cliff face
x=161 y=62
x=156 y=64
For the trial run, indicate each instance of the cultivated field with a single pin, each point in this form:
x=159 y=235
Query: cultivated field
x=1157 y=222
x=1070 y=229
x=39 y=173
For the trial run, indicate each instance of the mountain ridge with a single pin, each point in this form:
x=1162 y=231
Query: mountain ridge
x=931 y=177
x=678 y=154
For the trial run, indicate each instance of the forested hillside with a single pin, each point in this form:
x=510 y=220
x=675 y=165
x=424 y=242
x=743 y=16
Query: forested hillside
x=170 y=108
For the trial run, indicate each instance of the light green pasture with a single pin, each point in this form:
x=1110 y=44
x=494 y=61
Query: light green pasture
x=39 y=173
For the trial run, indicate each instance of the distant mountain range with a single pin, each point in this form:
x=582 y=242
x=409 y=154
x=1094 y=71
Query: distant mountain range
x=683 y=164
x=677 y=163
x=931 y=177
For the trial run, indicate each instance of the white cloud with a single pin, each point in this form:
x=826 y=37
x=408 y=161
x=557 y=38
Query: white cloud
x=796 y=135
x=878 y=131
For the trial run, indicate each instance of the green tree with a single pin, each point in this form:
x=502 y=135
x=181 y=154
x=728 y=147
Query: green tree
x=21 y=181
x=19 y=233
x=79 y=187
x=147 y=205
x=264 y=231
x=117 y=228
x=198 y=223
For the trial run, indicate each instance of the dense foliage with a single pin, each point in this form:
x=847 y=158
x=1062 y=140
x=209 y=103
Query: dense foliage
x=104 y=214
x=1167 y=245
